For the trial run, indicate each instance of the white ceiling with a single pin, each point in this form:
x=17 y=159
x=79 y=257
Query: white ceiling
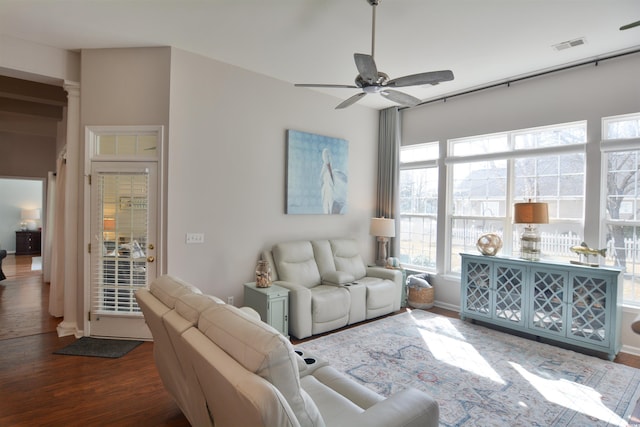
x=313 y=41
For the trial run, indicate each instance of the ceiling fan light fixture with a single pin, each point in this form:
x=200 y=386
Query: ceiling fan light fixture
x=372 y=89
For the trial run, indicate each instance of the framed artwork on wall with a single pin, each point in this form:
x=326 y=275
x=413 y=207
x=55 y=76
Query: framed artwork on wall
x=317 y=174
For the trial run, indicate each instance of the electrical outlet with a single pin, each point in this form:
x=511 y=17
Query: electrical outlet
x=194 y=238
x=230 y=300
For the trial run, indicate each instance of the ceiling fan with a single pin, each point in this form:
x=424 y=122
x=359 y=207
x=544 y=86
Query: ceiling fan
x=370 y=80
x=631 y=25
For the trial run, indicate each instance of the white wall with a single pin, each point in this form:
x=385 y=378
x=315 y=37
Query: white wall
x=586 y=93
x=225 y=130
x=32 y=61
x=15 y=195
x=226 y=157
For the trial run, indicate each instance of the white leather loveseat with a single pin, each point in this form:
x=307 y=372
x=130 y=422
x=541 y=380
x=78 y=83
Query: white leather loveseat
x=225 y=367
x=330 y=286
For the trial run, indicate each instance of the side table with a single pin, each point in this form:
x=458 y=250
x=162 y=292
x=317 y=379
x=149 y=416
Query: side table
x=28 y=242
x=271 y=303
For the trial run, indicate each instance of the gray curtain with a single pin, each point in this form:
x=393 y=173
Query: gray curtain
x=387 y=204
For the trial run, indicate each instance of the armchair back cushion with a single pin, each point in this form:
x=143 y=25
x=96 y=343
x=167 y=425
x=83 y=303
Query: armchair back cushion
x=261 y=349
x=295 y=262
x=168 y=289
x=347 y=257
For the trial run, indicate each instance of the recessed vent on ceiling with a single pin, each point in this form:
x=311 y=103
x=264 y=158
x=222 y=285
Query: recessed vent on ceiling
x=569 y=44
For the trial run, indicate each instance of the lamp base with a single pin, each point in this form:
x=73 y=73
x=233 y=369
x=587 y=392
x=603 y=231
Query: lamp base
x=530 y=244
x=382 y=251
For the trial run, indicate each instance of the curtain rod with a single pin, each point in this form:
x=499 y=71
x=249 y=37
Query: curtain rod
x=527 y=77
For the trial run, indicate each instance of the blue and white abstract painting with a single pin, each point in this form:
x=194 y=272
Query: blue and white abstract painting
x=317 y=173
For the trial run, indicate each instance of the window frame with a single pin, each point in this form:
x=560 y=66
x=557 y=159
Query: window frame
x=610 y=146
x=510 y=155
x=422 y=164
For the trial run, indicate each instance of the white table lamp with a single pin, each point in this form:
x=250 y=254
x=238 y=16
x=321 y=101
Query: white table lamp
x=382 y=228
x=29 y=218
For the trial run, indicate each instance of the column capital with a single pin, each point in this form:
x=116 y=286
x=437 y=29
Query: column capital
x=72 y=88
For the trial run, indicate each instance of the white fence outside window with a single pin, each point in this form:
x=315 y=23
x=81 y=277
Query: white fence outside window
x=552 y=244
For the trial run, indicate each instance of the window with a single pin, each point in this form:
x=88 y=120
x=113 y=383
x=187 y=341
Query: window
x=621 y=202
x=489 y=173
x=419 y=205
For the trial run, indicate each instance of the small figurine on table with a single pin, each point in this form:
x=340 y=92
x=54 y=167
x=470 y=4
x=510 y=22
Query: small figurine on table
x=585 y=251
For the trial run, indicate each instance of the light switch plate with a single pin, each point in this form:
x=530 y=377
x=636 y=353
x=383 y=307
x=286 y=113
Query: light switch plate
x=194 y=238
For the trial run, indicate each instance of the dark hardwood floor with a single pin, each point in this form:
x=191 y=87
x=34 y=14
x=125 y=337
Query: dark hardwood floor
x=39 y=388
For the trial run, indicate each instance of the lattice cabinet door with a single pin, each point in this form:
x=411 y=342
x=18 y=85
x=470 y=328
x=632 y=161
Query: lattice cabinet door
x=509 y=292
x=476 y=289
x=549 y=300
x=588 y=311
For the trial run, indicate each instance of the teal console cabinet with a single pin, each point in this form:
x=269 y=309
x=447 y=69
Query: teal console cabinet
x=573 y=304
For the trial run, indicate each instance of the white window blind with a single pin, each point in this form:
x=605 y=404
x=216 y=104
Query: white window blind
x=120 y=268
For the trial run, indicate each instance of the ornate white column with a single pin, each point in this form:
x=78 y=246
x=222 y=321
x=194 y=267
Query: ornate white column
x=69 y=325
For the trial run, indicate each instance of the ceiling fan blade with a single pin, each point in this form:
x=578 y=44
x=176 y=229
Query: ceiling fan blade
x=355 y=98
x=400 y=97
x=631 y=25
x=327 y=86
x=366 y=67
x=429 y=78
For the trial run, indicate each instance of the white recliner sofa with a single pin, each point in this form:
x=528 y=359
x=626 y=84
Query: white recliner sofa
x=330 y=286
x=225 y=367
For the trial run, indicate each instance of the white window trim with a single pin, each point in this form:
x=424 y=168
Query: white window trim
x=623 y=144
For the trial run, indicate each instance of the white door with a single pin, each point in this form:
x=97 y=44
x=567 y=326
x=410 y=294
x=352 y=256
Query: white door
x=123 y=246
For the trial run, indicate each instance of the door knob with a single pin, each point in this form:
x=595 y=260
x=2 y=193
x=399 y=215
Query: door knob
x=151 y=259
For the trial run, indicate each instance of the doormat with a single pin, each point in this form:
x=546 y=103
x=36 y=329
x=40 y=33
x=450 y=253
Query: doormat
x=97 y=347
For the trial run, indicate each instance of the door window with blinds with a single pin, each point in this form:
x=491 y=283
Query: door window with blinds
x=121 y=243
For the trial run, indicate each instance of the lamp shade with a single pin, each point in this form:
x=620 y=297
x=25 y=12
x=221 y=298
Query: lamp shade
x=383 y=227
x=531 y=213
x=30 y=214
x=109 y=224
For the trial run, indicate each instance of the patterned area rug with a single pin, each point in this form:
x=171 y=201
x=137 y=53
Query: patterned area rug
x=482 y=377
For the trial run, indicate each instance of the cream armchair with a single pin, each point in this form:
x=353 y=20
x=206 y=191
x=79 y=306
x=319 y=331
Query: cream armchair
x=330 y=286
x=225 y=367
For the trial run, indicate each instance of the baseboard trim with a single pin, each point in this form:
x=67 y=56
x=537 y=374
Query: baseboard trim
x=67 y=328
x=635 y=351
x=447 y=306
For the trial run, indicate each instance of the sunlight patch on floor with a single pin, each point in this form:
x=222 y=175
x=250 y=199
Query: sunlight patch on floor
x=571 y=395
x=443 y=324
x=452 y=350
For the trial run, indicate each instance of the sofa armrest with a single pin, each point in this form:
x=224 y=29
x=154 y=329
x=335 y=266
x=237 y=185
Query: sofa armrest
x=407 y=408
x=385 y=273
x=299 y=309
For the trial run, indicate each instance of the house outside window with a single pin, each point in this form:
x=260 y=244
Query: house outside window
x=621 y=200
x=487 y=174
x=419 y=205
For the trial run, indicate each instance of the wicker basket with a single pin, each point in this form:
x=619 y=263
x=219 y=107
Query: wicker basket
x=420 y=297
